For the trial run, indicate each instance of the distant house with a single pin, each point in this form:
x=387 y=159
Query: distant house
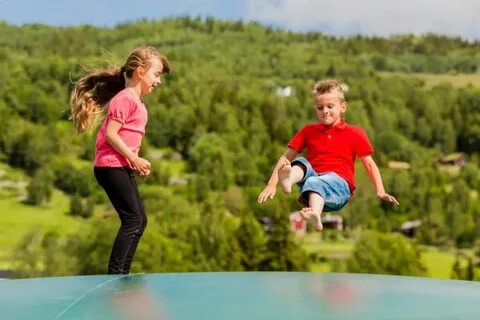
x=332 y=221
x=329 y=221
x=457 y=159
x=409 y=228
x=297 y=223
x=284 y=91
x=398 y=165
x=345 y=87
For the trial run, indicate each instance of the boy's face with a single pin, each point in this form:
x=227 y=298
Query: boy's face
x=330 y=107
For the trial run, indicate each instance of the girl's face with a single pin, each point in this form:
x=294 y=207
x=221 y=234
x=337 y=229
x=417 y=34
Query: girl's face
x=329 y=108
x=150 y=79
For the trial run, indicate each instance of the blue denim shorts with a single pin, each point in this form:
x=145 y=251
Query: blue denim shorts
x=333 y=188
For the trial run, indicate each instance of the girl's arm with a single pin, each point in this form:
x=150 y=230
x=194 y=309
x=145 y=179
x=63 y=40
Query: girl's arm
x=141 y=165
x=374 y=174
x=271 y=188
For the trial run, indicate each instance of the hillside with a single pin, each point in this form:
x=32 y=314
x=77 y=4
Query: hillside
x=217 y=126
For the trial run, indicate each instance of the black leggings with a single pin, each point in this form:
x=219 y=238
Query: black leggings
x=122 y=190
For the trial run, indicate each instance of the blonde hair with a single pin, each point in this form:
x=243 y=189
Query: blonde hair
x=93 y=91
x=328 y=86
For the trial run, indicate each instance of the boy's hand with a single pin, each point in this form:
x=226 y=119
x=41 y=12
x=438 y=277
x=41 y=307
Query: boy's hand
x=268 y=192
x=386 y=197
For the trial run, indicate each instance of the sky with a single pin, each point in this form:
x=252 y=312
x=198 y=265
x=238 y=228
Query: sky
x=333 y=17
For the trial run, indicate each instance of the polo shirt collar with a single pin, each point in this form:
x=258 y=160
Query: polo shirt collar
x=340 y=125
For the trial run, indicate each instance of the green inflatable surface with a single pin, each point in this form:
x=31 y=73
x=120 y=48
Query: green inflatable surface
x=228 y=296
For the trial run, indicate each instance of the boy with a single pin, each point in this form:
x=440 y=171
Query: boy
x=326 y=177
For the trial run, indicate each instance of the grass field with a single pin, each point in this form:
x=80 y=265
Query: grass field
x=17 y=218
x=439 y=264
x=457 y=80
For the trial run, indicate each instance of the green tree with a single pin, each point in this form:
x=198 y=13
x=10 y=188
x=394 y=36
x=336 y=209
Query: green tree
x=81 y=207
x=39 y=189
x=385 y=254
x=283 y=253
x=252 y=241
x=210 y=157
x=215 y=230
x=41 y=254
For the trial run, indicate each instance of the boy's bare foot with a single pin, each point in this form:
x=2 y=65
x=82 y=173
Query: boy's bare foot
x=307 y=213
x=284 y=176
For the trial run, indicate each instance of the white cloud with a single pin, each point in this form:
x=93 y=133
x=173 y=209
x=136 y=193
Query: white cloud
x=379 y=17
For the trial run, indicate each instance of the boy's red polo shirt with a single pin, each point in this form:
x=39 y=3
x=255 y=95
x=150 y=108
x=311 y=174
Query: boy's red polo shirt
x=333 y=149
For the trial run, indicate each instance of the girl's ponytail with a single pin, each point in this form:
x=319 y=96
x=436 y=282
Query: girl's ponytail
x=91 y=93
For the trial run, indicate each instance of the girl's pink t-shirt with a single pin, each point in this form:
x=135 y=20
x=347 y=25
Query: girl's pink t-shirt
x=129 y=110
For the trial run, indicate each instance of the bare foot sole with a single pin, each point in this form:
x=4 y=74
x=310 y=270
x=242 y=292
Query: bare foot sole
x=317 y=222
x=308 y=213
x=284 y=176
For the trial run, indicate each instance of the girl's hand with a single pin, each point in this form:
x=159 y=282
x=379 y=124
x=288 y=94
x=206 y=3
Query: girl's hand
x=145 y=173
x=141 y=165
x=386 y=197
x=268 y=192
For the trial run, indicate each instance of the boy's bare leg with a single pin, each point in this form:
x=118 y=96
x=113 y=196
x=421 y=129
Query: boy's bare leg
x=315 y=209
x=288 y=175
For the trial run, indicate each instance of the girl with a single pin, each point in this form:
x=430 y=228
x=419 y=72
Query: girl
x=119 y=139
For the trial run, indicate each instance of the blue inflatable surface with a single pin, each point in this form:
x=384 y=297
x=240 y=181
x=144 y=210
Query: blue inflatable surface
x=229 y=296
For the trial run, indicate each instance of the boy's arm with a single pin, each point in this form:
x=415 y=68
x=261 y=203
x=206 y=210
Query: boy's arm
x=374 y=174
x=271 y=188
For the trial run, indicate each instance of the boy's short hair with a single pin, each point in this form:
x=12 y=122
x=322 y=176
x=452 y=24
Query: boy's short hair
x=327 y=86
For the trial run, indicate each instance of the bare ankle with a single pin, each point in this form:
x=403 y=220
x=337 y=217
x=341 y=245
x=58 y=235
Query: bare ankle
x=284 y=177
x=318 y=222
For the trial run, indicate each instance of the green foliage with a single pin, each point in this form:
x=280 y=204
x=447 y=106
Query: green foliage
x=385 y=254
x=210 y=157
x=73 y=180
x=44 y=254
x=31 y=147
x=252 y=241
x=283 y=253
x=80 y=207
x=39 y=190
x=463 y=268
x=94 y=245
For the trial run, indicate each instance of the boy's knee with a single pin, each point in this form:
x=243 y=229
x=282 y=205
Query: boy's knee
x=301 y=166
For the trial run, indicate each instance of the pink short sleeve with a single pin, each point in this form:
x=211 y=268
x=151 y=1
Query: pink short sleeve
x=120 y=108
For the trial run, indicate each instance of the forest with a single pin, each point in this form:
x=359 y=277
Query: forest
x=217 y=125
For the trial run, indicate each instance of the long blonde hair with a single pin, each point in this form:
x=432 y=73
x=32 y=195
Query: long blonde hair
x=93 y=91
